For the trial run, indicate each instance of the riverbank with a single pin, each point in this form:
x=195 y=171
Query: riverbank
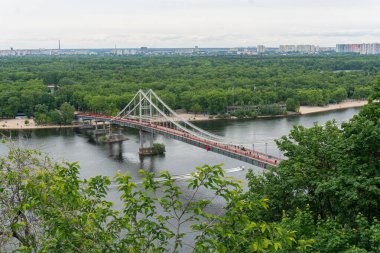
x=19 y=124
x=302 y=111
x=196 y=117
x=332 y=107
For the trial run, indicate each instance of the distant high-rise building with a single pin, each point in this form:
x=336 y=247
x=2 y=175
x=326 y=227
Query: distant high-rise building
x=287 y=48
x=306 y=49
x=373 y=48
x=303 y=49
x=260 y=49
x=130 y=52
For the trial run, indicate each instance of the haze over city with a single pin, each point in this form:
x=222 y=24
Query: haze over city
x=185 y=23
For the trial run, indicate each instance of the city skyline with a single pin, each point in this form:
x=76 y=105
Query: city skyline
x=185 y=23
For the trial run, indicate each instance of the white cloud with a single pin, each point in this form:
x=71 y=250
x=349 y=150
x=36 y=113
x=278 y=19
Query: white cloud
x=185 y=23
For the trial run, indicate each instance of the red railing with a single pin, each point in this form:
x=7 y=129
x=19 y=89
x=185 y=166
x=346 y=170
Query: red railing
x=227 y=147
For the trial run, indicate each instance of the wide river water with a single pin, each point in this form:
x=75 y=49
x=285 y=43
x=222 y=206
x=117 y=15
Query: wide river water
x=180 y=158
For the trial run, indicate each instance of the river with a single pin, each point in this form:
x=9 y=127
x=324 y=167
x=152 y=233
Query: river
x=180 y=158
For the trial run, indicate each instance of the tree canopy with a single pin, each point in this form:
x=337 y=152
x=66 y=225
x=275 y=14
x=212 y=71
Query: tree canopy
x=106 y=84
x=46 y=207
x=330 y=183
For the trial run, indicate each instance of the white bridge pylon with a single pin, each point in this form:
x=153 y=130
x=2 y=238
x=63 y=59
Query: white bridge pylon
x=148 y=107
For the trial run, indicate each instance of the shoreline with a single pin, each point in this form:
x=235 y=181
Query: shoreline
x=39 y=127
x=19 y=124
x=304 y=110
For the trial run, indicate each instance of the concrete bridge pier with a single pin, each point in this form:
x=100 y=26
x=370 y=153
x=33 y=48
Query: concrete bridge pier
x=87 y=122
x=114 y=134
x=100 y=129
x=146 y=137
x=119 y=154
x=146 y=151
x=86 y=125
x=141 y=139
x=104 y=125
x=103 y=132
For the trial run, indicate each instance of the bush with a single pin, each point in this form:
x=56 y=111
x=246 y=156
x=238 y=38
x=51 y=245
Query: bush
x=159 y=148
x=244 y=114
x=271 y=110
x=292 y=105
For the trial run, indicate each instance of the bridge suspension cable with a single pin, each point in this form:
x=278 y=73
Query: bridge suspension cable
x=149 y=107
x=147 y=112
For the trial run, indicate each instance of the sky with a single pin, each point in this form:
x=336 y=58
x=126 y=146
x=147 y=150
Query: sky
x=186 y=23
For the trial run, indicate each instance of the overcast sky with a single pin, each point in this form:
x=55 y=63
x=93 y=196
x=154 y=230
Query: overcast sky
x=186 y=23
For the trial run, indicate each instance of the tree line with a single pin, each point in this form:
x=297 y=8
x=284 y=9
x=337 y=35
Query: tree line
x=198 y=84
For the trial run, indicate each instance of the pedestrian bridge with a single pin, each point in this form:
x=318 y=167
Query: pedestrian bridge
x=148 y=113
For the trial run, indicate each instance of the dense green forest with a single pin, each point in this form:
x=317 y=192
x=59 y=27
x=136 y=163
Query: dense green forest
x=209 y=84
x=325 y=197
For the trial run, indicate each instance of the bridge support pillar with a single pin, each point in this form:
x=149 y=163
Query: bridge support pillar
x=143 y=136
x=146 y=151
x=141 y=139
x=151 y=140
x=119 y=154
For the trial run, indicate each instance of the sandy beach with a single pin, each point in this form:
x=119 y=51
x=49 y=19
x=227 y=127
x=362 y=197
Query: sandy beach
x=193 y=117
x=17 y=124
x=331 y=107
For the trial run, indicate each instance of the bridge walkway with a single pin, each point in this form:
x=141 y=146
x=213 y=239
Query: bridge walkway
x=237 y=152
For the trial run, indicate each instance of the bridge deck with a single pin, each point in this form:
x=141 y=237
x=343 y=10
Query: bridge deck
x=243 y=154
